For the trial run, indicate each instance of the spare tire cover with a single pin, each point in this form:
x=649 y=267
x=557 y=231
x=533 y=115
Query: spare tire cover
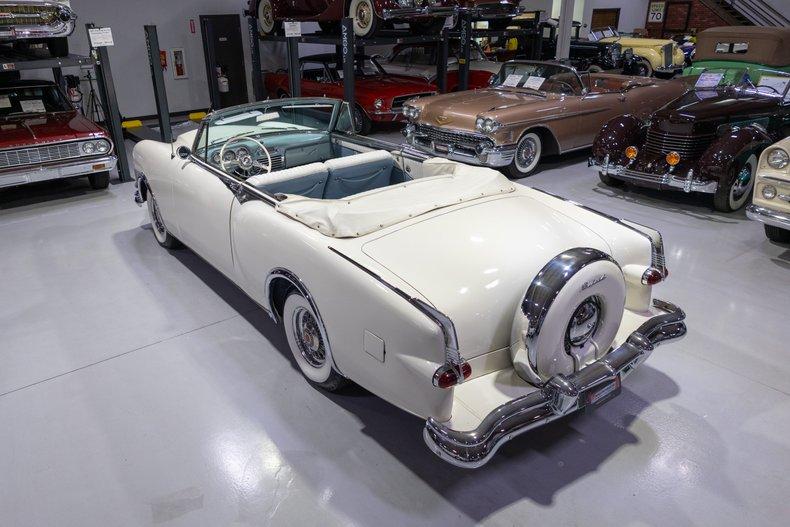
x=569 y=317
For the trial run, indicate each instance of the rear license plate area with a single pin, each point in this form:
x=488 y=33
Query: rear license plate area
x=602 y=394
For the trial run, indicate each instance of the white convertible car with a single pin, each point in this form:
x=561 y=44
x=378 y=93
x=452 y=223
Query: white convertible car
x=485 y=307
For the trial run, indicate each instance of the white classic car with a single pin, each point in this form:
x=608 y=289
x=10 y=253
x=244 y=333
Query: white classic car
x=771 y=201
x=485 y=307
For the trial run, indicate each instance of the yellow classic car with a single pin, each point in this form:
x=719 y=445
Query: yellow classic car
x=771 y=204
x=661 y=56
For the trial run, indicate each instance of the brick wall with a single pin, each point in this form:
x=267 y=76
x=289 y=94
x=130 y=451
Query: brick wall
x=700 y=17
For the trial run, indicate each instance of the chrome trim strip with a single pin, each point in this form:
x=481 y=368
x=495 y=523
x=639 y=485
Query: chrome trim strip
x=768 y=216
x=451 y=351
x=559 y=397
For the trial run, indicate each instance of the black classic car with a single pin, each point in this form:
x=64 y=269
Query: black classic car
x=707 y=140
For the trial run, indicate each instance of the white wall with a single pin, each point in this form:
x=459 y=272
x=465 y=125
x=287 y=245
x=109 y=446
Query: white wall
x=129 y=58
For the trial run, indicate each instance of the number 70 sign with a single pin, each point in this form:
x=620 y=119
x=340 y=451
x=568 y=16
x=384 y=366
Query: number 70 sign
x=656 y=12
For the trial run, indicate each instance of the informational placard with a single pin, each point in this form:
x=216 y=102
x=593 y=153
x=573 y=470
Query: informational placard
x=534 y=82
x=656 y=12
x=5 y=101
x=292 y=29
x=34 y=106
x=773 y=84
x=101 y=37
x=512 y=80
x=708 y=81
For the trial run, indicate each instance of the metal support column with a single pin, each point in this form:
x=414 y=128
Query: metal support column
x=158 y=79
x=294 y=75
x=211 y=61
x=466 y=51
x=565 y=30
x=258 y=90
x=348 y=45
x=443 y=50
x=57 y=75
x=112 y=114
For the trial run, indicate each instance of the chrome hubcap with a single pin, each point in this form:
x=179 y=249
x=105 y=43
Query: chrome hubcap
x=266 y=15
x=742 y=182
x=308 y=337
x=584 y=323
x=525 y=154
x=363 y=15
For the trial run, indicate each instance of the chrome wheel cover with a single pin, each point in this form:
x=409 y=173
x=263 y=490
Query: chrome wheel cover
x=266 y=15
x=308 y=337
x=584 y=323
x=363 y=15
x=525 y=154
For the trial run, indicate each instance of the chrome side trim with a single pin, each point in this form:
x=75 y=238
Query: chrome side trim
x=560 y=396
x=451 y=352
x=768 y=216
x=545 y=287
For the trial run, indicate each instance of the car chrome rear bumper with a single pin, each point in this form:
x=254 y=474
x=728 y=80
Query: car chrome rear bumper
x=768 y=216
x=677 y=181
x=32 y=174
x=560 y=396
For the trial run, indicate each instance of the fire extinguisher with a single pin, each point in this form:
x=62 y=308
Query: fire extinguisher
x=223 y=84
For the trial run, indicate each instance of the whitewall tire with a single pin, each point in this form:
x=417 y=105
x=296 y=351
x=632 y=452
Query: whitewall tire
x=737 y=190
x=162 y=235
x=527 y=158
x=365 y=18
x=309 y=344
x=266 y=23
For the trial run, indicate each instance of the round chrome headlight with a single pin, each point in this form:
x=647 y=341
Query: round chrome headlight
x=489 y=125
x=769 y=192
x=102 y=147
x=378 y=104
x=778 y=158
x=89 y=148
x=479 y=123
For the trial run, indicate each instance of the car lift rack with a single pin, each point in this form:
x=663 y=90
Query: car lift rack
x=12 y=60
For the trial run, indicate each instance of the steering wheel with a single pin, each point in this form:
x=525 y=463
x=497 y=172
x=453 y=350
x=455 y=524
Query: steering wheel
x=246 y=163
x=565 y=87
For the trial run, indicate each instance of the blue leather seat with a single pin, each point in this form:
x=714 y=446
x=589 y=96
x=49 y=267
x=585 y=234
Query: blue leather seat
x=306 y=180
x=358 y=173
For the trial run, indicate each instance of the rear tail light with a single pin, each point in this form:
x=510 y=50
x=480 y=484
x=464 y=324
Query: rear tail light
x=653 y=276
x=447 y=376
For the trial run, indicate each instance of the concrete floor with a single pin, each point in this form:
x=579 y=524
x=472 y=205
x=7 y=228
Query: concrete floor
x=139 y=387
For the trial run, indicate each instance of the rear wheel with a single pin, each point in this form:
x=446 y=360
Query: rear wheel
x=775 y=234
x=362 y=122
x=307 y=339
x=99 y=180
x=58 y=47
x=366 y=20
x=528 y=152
x=734 y=192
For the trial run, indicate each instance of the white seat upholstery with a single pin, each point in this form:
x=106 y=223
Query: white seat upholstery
x=358 y=173
x=306 y=180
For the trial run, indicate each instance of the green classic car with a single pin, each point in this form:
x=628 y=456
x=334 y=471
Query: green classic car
x=742 y=47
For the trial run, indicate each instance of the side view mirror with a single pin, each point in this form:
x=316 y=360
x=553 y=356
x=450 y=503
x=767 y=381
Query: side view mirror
x=183 y=152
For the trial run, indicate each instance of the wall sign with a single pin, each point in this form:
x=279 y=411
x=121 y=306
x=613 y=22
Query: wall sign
x=101 y=37
x=292 y=29
x=655 y=14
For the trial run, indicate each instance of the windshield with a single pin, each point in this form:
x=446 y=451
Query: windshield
x=268 y=118
x=538 y=77
x=16 y=101
x=762 y=81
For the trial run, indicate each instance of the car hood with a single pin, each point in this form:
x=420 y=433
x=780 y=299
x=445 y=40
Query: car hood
x=396 y=85
x=713 y=106
x=637 y=42
x=475 y=268
x=460 y=110
x=46 y=128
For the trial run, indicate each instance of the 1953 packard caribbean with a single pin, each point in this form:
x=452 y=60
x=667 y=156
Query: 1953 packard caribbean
x=531 y=109
x=413 y=277
x=771 y=204
x=707 y=140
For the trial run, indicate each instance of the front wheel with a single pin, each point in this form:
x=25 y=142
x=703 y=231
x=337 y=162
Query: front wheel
x=775 y=234
x=735 y=190
x=362 y=122
x=307 y=339
x=163 y=237
x=99 y=180
x=644 y=68
x=366 y=20
x=528 y=151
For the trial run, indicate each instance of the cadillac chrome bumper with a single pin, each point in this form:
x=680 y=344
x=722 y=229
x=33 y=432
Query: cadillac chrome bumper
x=62 y=26
x=560 y=396
x=768 y=216
x=483 y=154
x=686 y=182
x=81 y=167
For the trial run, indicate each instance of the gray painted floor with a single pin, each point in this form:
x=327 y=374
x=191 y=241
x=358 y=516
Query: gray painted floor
x=140 y=387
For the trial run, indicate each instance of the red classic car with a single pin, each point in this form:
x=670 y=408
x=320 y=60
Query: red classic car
x=379 y=96
x=43 y=137
x=420 y=60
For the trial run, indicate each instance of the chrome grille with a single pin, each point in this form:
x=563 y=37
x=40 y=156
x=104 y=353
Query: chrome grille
x=448 y=137
x=661 y=143
x=668 y=58
x=397 y=102
x=39 y=155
